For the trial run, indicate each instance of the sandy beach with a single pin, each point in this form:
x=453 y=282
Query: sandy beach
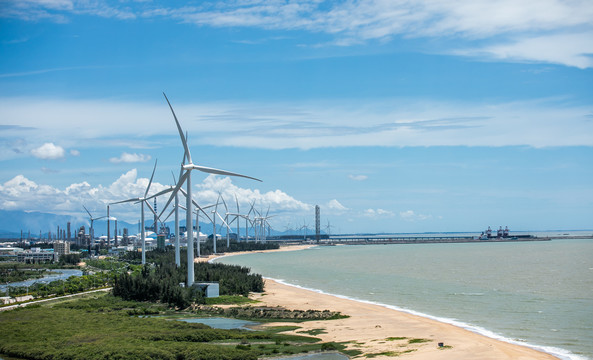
x=374 y=329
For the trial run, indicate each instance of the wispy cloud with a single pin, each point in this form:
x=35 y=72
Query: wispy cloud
x=130 y=158
x=410 y=215
x=503 y=29
x=393 y=122
x=358 y=177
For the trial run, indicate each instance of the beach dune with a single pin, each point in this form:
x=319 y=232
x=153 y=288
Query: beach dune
x=374 y=329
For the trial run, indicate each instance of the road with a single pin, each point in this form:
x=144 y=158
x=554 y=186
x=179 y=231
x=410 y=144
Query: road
x=50 y=299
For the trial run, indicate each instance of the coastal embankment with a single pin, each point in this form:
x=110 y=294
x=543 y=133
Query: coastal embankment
x=378 y=331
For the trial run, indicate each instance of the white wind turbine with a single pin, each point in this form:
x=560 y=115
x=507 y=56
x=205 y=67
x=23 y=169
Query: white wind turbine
x=214 y=215
x=142 y=200
x=236 y=218
x=197 y=212
x=91 y=229
x=186 y=178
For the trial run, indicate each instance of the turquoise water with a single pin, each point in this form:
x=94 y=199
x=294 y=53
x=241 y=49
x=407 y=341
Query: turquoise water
x=538 y=294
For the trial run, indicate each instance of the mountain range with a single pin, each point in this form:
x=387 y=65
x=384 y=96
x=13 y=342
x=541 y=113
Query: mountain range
x=38 y=223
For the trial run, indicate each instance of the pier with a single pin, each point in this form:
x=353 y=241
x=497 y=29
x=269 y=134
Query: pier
x=378 y=240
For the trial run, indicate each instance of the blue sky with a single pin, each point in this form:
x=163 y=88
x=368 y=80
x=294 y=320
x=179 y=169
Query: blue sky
x=392 y=116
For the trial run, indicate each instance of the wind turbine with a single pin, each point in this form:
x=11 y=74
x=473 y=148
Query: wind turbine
x=214 y=215
x=91 y=230
x=186 y=178
x=142 y=200
x=236 y=215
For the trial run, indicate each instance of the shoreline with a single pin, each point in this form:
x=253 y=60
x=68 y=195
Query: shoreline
x=381 y=329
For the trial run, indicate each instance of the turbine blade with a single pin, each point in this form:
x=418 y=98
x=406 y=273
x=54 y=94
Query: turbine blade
x=237 y=200
x=179 y=184
x=125 y=201
x=183 y=140
x=151 y=209
x=221 y=172
x=226 y=209
x=222 y=219
x=150 y=182
x=168 y=216
x=161 y=193
x=87 y=210
x=208 y=216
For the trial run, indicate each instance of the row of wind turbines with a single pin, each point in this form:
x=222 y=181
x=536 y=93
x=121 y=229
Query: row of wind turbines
x=259 y=222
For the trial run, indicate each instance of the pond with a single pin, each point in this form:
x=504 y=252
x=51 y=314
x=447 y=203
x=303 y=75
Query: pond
x=62 y=274
x=221 y=323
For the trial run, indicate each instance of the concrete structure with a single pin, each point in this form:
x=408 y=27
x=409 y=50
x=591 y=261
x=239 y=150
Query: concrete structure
x=317 y=223
x=36 y=256
x=61 y=248
x=211 y=289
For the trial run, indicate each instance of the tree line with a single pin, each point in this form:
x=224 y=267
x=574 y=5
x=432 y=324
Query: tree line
x=160 y=279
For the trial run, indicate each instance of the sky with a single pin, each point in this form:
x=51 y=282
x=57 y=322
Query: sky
x=392 y=116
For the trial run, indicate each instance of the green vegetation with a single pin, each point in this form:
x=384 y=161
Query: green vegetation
x=229 y=300
x=101 y=327
x=388 y=353
x=14 y=272
x=396 y=338
x=313 y=332
x=270 y=314
x=160 y=281
x=72 y=285
x=130 y=322
x=418 y=341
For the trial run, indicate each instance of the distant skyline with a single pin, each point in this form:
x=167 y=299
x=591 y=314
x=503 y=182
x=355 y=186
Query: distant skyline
x=392 y=116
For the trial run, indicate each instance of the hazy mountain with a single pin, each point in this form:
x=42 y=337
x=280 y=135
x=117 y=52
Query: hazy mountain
x=12 y=222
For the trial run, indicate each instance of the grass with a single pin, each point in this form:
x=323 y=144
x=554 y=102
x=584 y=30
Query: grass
x=388 y=353
x=230 y=300
x=313 y=332
x=100 y=327
x=418 y=341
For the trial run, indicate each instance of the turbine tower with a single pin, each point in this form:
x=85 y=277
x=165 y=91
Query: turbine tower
x=142 y=200
x=186 y=178
x=91 y=229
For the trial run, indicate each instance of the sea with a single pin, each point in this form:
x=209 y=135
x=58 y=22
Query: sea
x=534 y=293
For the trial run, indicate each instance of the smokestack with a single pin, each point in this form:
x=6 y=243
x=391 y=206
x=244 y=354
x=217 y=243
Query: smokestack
x=115 y=234
x=108 y=222
x=155 y=225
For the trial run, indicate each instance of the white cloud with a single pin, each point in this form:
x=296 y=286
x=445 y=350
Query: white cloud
x=378 y=213
x=74 y=152
x=569 y=49
x=278 y=200
x=410 y=215
x=21 y=193
x=357 y=22
x=130 y=158
x=49 y=151
x=358 y=177
x=336 y=205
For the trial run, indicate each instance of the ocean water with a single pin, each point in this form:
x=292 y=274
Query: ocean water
x=537 y=294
